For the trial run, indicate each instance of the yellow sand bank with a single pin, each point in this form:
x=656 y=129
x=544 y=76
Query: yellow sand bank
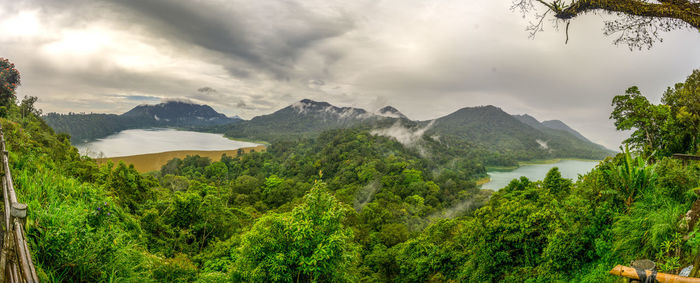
x=154 y=161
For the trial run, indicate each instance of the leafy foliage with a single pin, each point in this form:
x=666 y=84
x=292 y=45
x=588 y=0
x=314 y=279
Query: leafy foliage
x=308 y=244
x=266 y=216
x=664 y=129
x=10 y=79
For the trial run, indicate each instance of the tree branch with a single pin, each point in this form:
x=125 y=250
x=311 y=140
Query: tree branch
x=676 y=9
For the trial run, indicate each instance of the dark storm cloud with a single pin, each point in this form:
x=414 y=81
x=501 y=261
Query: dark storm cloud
x=265 y=37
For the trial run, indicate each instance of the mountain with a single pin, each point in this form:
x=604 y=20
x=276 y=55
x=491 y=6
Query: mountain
x=559 y=125
x=179 y=113
x=529 y=120
x=302 y=118
x=84 y=127
x=521 y=136
x=484 y=128
x=551 y=124
x=391 y=112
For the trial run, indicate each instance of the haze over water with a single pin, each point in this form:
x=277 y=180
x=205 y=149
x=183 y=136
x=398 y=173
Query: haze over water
x=142 y=141
x=535 y=172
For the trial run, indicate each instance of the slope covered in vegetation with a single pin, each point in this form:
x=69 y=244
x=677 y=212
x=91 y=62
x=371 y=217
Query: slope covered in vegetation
x=349 y=205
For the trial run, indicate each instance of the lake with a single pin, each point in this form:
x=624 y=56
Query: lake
x=143 y=141
x=535 y=172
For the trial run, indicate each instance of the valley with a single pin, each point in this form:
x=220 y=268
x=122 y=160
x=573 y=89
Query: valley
x=303 y=141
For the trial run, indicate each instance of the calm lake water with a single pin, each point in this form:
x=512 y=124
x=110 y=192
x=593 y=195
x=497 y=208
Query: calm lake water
x=142 y=141
x=568 y=168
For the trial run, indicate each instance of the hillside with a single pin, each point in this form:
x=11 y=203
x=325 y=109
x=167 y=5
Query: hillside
x=521 y=137
x=559 y=125
x=85 y=127
x=392 y=213
x=178 y=112
x=486 y=129
x=391 y=112
x=302 y=118
x=396 y=204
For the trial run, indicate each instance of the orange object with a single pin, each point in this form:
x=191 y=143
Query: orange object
x=631 y=273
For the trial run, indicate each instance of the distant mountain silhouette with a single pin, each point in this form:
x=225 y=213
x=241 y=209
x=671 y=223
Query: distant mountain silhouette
x=84 y=127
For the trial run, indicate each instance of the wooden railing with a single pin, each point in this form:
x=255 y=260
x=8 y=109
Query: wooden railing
x=14 y=257
x=632 y=273
x=686 y=157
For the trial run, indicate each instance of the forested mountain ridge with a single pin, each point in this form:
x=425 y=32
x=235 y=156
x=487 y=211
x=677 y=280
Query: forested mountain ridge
x=491 y=128
x=389 y=111
x=488 y=128
x=551 y=124
x=559 y=125
x=174 y=111
x=301 y=119
x=84 y=127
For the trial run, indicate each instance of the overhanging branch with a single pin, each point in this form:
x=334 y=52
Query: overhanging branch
x=676 y=9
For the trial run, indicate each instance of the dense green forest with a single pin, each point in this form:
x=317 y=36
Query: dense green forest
x=350 y=206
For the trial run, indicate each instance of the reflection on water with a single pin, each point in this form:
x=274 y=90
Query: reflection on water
x=568 y=168
x=141 y=141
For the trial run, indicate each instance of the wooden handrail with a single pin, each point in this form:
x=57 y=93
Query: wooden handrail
x=631 y=273
x=686 y=156
x=15 y=258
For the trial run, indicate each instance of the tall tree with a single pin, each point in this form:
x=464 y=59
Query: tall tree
x=633 y=111
x=9 y=81
x=670 y=127
x=684 y=102
x=310 y=244
x=640 y=23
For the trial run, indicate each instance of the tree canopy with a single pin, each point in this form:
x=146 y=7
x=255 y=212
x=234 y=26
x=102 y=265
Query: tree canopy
x=9 y=81
x=670 y=127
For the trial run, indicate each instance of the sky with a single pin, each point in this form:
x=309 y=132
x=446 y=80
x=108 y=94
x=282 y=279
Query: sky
x=428 y=58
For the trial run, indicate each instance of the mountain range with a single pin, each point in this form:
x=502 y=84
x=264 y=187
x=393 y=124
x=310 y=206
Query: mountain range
x=85 y=127
x=487 y=129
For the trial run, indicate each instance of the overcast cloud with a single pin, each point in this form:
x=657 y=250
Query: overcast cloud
x=247 y=58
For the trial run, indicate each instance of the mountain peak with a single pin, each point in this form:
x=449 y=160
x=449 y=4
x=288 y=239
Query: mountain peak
x=391 y=112
x=528 y=120
x=176 y=110
x=316 y=108
x=559 y=125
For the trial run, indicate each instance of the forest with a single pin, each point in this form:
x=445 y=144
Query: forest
x=351 y=206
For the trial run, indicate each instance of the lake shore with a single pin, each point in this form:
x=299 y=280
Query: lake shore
x=154 y=161
x=537 y=170
x=534 y=162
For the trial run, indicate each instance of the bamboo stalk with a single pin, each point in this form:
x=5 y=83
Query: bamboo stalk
x=631 y=273
x=23 y=255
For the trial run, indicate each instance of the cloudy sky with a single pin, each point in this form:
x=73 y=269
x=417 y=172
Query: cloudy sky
x=427 y=58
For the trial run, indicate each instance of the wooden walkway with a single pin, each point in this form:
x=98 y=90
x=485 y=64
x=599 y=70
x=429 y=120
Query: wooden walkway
x=14 y=256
